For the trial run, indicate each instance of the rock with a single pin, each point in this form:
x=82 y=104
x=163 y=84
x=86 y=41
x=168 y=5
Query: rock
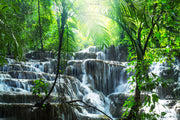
x=74 y=68
x=17 y=97
x=92 y=49
x=26 y=111
x=82 y=56
x=172 y=73
x=115 y=53
x=49 y=77
x=170 y=103
x=103 y=73
x=116 y=103
x=51 y=68
x=39 y=55
x=177 y=109
x=13 y=84
x=4 y=75
x=18 y=67
x=118 y=53
x=25 y=75
x=110 y=53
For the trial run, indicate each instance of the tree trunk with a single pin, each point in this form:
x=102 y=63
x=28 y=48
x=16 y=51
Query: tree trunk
x=61 y=33
x=40 y=27
x=133 y=115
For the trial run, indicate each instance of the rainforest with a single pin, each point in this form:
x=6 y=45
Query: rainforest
x=89 y=60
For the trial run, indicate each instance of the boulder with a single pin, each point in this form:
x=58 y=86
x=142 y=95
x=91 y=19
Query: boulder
x=82 y=56
x=116 y=103
x=116 y=53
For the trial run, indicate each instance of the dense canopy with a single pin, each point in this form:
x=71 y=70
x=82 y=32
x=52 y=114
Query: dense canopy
x=148 y=28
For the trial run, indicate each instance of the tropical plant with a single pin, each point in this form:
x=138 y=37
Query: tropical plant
x=10 y=32
x=143 y=20
x=40 y=86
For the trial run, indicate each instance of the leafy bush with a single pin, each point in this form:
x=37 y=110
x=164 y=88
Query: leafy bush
x=40 y=86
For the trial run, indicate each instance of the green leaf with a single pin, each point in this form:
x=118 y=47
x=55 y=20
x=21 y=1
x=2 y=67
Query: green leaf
x=167 y=50
x=72 y=25
x=152 y=107
x=154 y=75
x=155 y=98
x=39 y=95
x=163 y=113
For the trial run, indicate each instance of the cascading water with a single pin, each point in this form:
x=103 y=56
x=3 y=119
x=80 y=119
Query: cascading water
x=123 y=86
x=97 y=77
x=110 y=77
x=170 y=95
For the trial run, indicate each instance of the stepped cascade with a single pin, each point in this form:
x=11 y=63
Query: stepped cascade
x=97 y=77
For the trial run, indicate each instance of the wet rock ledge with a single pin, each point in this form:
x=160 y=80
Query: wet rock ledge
x=25 y=111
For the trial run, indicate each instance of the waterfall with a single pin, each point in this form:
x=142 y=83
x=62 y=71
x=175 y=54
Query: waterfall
x=97 y=77
x=123 y=86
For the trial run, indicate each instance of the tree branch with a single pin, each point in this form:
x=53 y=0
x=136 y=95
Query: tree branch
x=151 y=31
x=128 y=32
x=139 y=37
x=73 y=101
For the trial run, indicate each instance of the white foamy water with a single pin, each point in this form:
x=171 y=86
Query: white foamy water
x=161 y=107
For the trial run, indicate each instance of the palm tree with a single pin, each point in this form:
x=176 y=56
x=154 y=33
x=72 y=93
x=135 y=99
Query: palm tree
x=139 y=19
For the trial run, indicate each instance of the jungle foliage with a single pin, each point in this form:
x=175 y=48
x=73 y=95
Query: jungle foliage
x=149 y=28
x=149 y=25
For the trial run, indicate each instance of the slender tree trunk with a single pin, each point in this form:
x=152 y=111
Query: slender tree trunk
x=133 y=115
x=60 y=33
x=67 y=57
x=134 y=112
x=40 y=27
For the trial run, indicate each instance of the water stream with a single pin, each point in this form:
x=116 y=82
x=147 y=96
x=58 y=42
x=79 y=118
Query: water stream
x=93 y=76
